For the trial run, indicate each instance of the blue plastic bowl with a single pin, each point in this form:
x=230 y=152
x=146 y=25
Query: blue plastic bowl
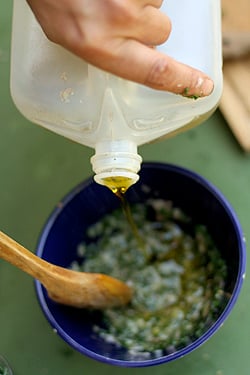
x=88 y=202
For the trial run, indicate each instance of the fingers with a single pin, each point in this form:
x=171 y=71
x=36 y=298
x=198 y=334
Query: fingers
x=115 y=35
x=136 y=62
x=170 y=75
x=154 y=3
x=153 y=27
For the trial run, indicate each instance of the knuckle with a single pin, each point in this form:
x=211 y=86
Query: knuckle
x=159 y=68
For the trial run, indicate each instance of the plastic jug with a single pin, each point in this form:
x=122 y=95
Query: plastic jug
x=55 y=89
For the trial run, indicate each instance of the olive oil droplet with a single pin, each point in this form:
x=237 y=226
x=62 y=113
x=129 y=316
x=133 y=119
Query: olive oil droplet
x=118 y=184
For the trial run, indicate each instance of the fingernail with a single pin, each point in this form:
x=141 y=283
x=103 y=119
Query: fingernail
x=204 y=87
x=207 y=87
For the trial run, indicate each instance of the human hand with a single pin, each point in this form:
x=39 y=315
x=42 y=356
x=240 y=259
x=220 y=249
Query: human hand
x=117 y=36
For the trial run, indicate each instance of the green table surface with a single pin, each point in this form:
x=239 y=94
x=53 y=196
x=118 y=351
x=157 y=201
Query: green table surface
x=37 y=168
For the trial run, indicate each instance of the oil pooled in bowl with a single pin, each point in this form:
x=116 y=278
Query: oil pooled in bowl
x=178 y=279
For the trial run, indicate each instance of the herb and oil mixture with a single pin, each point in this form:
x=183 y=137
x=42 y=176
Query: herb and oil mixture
x=3 y=370
x=174 y=269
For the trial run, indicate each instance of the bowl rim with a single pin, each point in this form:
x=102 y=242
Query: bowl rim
x=199 y=341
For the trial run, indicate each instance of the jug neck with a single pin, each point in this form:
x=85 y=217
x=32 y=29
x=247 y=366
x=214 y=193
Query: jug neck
x=116 y=164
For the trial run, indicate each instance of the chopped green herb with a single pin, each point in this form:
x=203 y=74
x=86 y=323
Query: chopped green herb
x=187 y=95
x=177 y=295
x=3 y=370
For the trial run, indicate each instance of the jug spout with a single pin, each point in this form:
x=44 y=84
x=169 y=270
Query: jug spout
x=116 y=164
x=116 y=161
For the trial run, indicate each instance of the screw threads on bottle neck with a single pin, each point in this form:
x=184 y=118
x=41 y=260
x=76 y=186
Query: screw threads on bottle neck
x=116 y=165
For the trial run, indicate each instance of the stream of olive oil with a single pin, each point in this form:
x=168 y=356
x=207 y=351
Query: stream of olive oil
x=129 y=217
x=131 y=222
x=119 y=186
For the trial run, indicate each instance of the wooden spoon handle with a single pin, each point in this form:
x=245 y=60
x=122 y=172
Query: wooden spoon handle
x=18 y=256
x=78 y=289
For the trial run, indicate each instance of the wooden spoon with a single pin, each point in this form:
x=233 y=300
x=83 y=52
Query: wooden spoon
x=78 y=289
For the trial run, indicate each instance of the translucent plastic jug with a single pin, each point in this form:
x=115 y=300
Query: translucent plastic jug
x=57 y=90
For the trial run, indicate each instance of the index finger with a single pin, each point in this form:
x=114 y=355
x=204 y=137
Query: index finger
x=137 y=62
